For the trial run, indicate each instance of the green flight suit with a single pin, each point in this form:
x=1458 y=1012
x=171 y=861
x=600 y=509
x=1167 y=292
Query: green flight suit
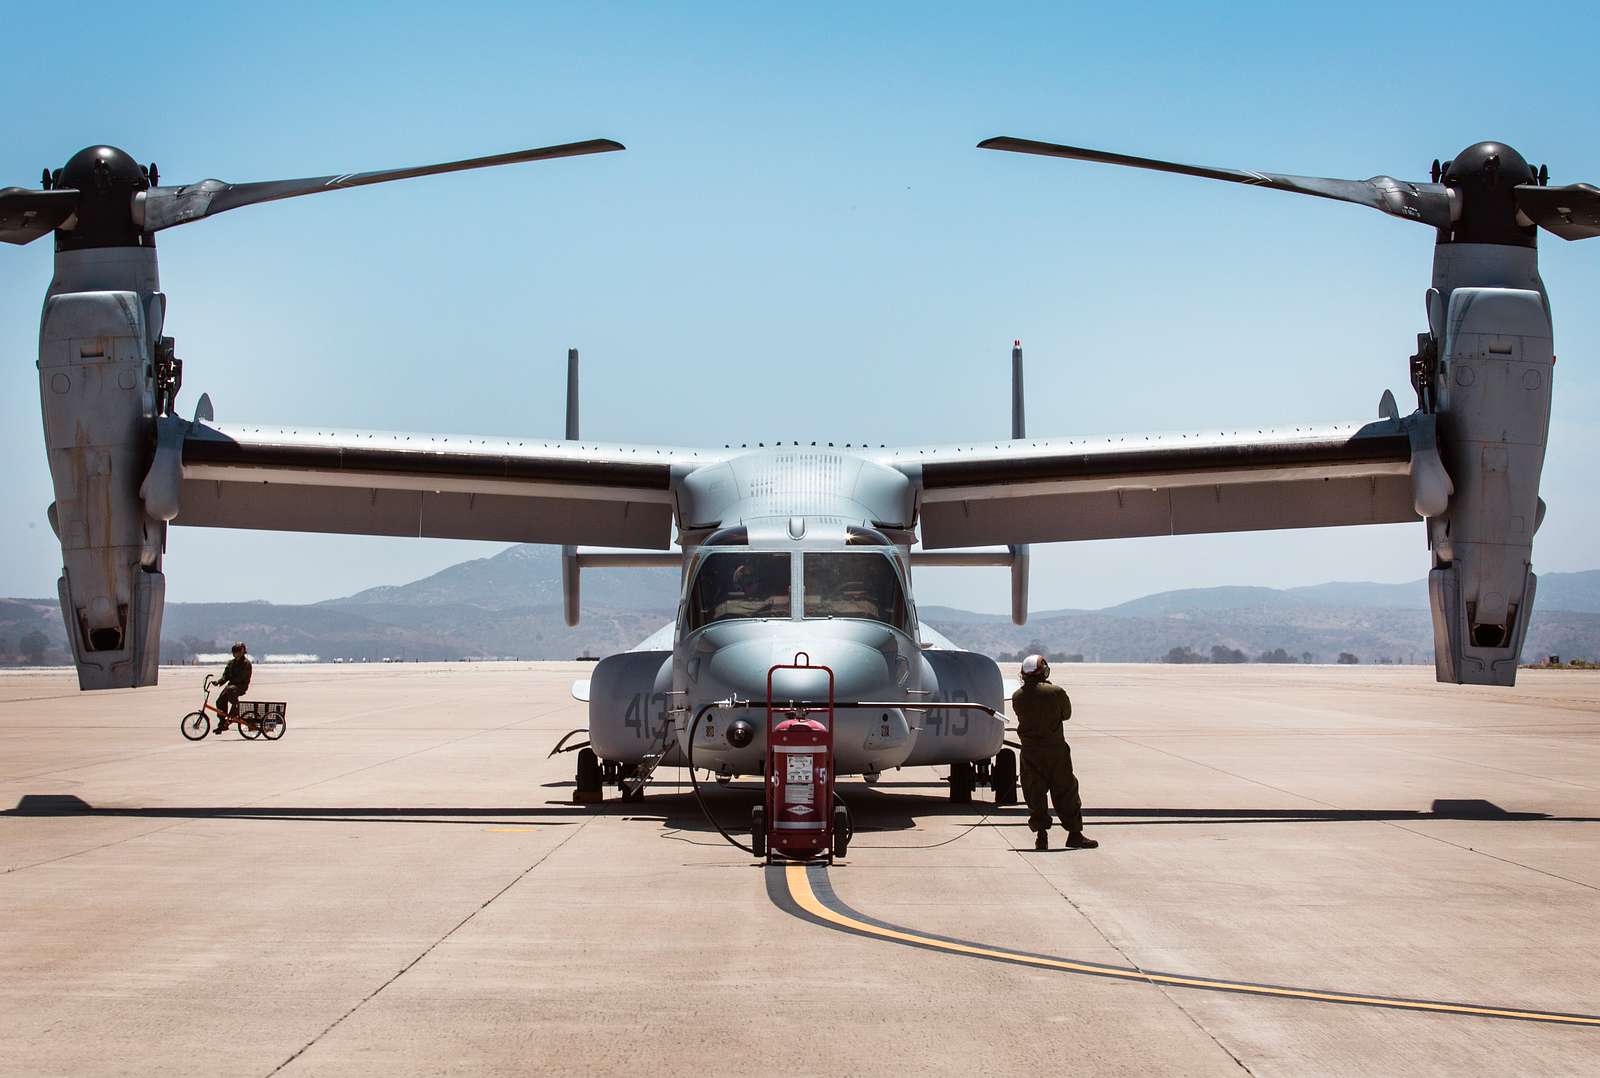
x=1041 y=709
x=237 y=675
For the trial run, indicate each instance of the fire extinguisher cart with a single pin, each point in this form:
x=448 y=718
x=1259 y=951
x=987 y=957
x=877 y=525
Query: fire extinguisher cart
x=798 y=820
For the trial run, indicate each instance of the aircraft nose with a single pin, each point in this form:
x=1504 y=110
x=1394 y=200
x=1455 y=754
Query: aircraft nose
x=860 y=671
x=867 y=665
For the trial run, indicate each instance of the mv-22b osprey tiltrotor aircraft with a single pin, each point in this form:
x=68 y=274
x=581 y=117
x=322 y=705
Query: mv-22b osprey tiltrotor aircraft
x=796 y=547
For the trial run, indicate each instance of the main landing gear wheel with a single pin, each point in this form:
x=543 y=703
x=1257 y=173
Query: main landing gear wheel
x=195 y=725
x=758 y=831
x=1003 y=777
x=590 y=786
x=273 y=726
x=842 y=831
x=962 y=779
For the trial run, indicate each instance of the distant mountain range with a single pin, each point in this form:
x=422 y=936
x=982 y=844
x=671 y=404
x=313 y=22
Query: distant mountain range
x=509 y=606
x=1389 y=622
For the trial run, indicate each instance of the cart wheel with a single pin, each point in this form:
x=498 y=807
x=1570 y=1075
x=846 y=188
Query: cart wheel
x=961 y=779
x=195 y=725
x=758 y=831
x=272 y=726
x=842 y=831
x=248 y=732
x=1004 y=777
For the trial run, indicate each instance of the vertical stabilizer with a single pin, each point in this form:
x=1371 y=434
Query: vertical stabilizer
x=1019 y=415
x=569 y=554
x=572 y=394
x=1019 y=430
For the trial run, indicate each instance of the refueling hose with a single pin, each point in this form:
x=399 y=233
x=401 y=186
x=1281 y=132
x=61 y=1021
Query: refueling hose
x=694 y=781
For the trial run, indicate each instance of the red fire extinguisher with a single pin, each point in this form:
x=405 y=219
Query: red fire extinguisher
x=798 y=819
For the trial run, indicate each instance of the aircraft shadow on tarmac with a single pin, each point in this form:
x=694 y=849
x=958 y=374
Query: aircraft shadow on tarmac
x=673 y=805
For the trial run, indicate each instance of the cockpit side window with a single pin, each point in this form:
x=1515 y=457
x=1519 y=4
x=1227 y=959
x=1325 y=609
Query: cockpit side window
x=855 y=585
x=739 y=584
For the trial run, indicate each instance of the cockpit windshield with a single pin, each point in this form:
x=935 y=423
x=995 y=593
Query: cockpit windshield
x=859 y=584
x=739 y=584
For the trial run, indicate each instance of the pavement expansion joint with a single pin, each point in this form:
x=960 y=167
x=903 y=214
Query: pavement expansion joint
x=806 y=892
x=403 y=970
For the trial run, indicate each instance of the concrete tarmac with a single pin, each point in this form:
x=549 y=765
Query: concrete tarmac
x=401 y=885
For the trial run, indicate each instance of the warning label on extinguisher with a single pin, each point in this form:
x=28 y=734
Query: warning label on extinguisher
x=798 y=777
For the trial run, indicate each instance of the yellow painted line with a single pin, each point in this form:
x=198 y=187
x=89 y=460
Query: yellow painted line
x=800 y=890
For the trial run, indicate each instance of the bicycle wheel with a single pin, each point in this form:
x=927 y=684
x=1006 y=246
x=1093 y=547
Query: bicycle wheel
x=195 y=725
x=272 y=726
x=248 y=732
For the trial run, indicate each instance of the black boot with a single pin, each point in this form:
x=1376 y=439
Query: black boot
x=1041 y=840
x=1077 y=841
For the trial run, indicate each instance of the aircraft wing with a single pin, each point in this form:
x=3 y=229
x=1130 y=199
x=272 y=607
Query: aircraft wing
x=1053 y=490
x=439 y=486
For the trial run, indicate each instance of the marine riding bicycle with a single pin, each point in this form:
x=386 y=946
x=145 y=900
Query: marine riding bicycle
x=256 y=718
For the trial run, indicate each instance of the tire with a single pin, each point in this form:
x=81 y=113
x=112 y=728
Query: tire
x=842 y=831
x=587 y=777
x=195 y=725
x=1003 y=777
x=758 y=831
x=273 y=726
x=247 y=733
x=961 y=779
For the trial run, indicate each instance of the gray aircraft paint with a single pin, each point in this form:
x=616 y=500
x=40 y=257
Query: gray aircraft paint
x=102 y=319
x=1468 y=462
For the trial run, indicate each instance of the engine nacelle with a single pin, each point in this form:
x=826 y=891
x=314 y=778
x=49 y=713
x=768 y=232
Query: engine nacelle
x=98 y=397
x=1492 y=389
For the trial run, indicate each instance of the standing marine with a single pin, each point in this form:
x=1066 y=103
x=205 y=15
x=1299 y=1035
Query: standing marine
x=1041 y=709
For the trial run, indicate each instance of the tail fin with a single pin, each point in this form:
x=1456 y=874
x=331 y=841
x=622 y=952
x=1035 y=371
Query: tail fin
x=1019 y=430
x=569 y=554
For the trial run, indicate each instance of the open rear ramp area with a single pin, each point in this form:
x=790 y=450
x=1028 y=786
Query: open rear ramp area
x=401 y=885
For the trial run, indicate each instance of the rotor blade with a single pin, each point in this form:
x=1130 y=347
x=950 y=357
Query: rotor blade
x=1571 y=212
x=1428 y=203
x=164 y=207
x=26 y=215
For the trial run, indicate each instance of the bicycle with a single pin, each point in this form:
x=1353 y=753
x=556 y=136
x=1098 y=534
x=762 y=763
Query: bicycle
x=256 y=718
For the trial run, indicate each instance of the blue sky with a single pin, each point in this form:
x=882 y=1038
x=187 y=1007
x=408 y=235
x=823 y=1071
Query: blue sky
x=801 y=241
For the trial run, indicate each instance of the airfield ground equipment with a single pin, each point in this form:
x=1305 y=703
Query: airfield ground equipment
x=803 y=739
x=257 y=718
x=798 y=819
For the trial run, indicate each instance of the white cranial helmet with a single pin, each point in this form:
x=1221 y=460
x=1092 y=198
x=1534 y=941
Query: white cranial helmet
x=1035 y=666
